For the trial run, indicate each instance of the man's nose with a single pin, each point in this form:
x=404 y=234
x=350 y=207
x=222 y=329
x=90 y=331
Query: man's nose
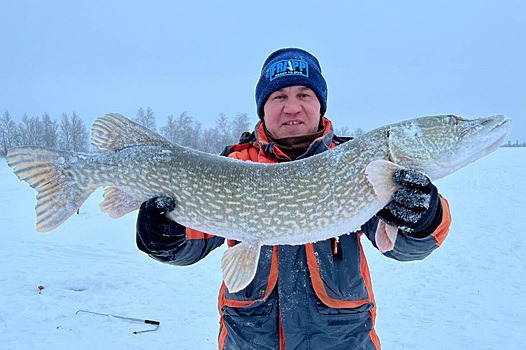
x=292 y=106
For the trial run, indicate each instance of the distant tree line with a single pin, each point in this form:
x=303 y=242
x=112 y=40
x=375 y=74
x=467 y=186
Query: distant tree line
x=68 y=133
x=71 y=134
x=515 y=144
x=186 y=131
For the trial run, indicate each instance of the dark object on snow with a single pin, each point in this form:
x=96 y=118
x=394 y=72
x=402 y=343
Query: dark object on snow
x=155 y=323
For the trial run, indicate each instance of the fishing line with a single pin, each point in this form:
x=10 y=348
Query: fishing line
x=157 y=324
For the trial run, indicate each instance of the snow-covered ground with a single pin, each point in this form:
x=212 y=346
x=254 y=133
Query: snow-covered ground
x=469 y=294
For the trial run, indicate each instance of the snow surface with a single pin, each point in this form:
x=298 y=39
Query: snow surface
x=469 y=294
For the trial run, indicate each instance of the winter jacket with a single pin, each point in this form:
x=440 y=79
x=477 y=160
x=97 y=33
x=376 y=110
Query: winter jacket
x=313 y=296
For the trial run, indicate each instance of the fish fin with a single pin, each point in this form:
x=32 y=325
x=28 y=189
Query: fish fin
x=58 y=193
x=385 y=236
x=239 y=265
x=380 y=174
x=118 y=203
x=113 y=132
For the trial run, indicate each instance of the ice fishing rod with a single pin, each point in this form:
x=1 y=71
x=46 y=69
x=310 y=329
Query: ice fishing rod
x=157 y=324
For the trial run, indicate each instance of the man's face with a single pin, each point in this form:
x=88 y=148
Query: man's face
x=292 y=111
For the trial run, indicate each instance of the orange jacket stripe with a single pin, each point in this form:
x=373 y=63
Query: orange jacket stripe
x=222 y=335
x=375 y=339
x=281 y=335
x=195 y=234
x=366 y=275
x=442 y=230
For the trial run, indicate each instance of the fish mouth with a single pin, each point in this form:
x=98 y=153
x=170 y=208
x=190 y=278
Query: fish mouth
x=497 y=129
x=492 y=136
x=502 y=126
x=501 y=121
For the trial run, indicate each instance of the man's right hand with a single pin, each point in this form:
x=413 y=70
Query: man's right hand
x=155 y=232
x=160 y=205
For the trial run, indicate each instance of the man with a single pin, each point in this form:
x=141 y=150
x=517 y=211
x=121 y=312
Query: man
x=312 y=296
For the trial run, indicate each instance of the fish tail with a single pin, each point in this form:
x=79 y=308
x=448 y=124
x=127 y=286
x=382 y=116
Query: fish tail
x=59 y=193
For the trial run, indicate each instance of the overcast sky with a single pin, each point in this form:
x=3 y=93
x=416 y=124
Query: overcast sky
x=383 y=60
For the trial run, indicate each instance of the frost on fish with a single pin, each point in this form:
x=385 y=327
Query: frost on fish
x=308 y=200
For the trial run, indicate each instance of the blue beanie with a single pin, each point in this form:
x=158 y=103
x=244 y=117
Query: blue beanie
x=289 y=67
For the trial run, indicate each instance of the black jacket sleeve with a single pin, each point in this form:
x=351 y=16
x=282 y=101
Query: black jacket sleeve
x=167 y=241
x=419 y=244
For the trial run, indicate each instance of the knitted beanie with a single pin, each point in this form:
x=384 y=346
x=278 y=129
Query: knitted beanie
x=289 y=67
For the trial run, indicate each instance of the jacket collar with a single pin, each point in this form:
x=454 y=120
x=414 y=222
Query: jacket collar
x=271 y=151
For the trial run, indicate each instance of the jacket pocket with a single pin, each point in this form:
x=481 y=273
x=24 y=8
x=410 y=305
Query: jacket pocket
x=254 y=327
x=339 y=280
x=344 y=313
x=346 y=328
x=257 y=309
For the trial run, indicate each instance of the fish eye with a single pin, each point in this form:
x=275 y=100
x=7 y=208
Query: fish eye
x=452 y=120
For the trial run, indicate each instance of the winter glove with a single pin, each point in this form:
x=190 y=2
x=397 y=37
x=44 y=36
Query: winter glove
x=415 y=207
x=160 y=205
x=155 y=232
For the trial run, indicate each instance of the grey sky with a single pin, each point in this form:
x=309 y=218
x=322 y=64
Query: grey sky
x=383 y=60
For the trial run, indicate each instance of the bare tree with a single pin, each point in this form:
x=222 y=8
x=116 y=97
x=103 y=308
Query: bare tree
x=183 y=130
x=9 y=136
x=29 y=129
x=240 y=124
x=342 y=131
x=223 y=133
x=49 y=132
x=79 y=134
x=358 y=132
x=208 y=143
x=198 y=136
x=146 y=119
x=65 y=137
x=169 y=131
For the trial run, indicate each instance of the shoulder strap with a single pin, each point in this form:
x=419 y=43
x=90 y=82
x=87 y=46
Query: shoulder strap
x=338 y=140
x=245 y=140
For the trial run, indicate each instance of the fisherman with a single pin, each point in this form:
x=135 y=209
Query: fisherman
x=313 y=296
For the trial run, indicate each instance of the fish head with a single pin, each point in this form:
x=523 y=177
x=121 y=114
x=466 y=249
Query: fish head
x=441 y=145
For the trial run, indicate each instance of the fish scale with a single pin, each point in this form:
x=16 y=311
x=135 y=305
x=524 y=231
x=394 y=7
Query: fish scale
x=307 y=200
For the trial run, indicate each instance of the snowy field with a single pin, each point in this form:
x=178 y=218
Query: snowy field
x=469 y=294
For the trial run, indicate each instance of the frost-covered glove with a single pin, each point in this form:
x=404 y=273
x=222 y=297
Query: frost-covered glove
x=155 y=232
x=160 y=205
x=415 y=207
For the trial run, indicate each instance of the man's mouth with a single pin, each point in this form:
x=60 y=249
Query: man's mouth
x=292 y=123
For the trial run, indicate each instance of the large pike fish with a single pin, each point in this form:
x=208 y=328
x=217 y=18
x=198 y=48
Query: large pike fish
x=297 y=202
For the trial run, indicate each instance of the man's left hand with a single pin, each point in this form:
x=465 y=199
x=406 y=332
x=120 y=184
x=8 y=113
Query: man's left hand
x=415 y=205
